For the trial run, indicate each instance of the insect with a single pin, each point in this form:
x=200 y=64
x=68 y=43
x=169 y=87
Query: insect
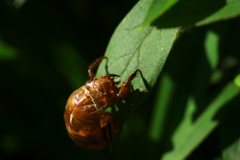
x=87 y=123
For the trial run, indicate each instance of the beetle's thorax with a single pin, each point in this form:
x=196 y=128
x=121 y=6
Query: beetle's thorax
x=101 y=90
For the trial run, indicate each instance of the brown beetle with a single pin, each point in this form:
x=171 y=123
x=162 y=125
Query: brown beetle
x=86 y=121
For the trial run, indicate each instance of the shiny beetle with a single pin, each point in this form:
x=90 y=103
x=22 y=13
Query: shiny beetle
x=87 y=123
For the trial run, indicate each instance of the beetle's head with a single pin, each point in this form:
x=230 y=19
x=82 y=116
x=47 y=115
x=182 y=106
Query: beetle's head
x=103 y=85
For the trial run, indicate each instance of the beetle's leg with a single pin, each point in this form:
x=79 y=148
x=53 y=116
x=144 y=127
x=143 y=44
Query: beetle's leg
x=126 y=86
x=105 y=119
x=108 y=119
x=112 y=76
x=93 y=66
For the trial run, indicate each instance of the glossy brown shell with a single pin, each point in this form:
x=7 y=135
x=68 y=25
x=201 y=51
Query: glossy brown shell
x=84 y=110
x=86 y=121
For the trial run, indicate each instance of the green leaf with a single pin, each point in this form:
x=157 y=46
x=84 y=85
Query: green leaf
x=156 y=9
x=233 y=151
x=191 y=133
x=8 y=52
x=211 y=47
x=164 y=97
x=230 y=10
x=198 y=13
x=237 y=80
x=131 y=48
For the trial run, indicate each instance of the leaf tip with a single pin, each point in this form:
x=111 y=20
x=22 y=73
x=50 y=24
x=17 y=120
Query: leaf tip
x=237 y=80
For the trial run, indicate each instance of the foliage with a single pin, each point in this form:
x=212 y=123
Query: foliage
x=184 y=104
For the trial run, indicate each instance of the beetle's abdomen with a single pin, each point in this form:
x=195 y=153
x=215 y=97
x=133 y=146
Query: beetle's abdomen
x=82 y=121
x=88 y=136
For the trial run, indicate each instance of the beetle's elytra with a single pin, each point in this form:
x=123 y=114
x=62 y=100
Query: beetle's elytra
x=87 y=123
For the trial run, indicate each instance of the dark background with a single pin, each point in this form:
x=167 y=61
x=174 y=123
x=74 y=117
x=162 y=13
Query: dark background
x=46 y=47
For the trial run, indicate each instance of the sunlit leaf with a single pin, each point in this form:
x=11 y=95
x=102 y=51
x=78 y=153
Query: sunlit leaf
x=132 y=48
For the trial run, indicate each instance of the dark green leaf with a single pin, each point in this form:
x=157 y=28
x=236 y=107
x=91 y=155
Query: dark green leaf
x=229 y=10
x=187 y=13
x=156 y=9
x=7 y=52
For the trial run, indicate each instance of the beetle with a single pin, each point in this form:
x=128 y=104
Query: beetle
x=87 y=123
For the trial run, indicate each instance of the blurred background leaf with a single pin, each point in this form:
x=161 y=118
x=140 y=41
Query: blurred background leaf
x=185 y=13
x=190 y=133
